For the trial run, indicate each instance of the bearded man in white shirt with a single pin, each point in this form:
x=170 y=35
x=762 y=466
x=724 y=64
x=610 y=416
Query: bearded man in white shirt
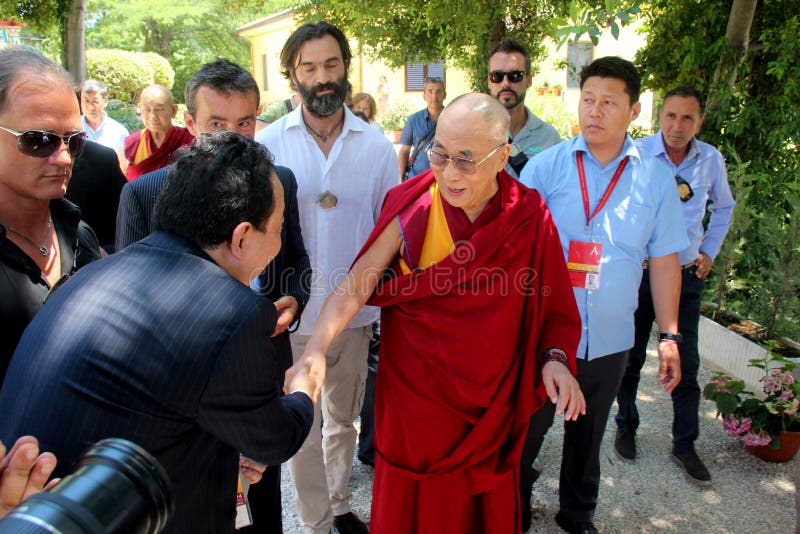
x=344 y=168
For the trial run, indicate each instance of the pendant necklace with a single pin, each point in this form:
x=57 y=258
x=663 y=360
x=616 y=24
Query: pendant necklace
x=44 y=250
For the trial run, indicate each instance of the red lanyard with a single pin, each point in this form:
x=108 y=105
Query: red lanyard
x=609 y=189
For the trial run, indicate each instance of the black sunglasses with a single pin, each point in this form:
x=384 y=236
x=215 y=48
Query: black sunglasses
x=514 y=76
x=41 y=144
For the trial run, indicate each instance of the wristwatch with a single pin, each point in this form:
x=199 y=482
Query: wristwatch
x=677 y=338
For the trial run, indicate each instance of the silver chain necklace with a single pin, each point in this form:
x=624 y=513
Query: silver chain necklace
x=44 y=250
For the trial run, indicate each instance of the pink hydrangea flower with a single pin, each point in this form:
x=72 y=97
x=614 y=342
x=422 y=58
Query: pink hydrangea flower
x=736 y=427
x=755 y=440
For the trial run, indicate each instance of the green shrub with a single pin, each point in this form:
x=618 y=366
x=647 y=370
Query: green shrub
x=124 y=73
x=125 y=114
x=162 y=70
x=395 y=117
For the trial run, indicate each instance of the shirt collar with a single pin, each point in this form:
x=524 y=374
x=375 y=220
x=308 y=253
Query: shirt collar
x=692 y=153
x=351 y=122
x=628 y=149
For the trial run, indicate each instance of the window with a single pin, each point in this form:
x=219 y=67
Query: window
x=578 y=56
x=416 y=73
x=264 y=85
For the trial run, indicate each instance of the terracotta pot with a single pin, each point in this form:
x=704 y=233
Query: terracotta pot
x=790 y=443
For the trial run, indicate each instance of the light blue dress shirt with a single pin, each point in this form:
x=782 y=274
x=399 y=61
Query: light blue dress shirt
x=642 y=218
x=704 y=170
x=417 y=127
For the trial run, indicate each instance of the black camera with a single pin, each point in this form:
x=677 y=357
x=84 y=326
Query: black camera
x=116 y=487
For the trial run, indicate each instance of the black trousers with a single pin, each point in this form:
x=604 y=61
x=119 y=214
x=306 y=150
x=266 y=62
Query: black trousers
x=580 y=458
x=366 y=451
x=686 y=396
x=265 y=496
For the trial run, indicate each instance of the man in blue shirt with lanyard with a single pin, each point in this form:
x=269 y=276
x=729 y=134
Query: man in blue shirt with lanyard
x=614 y=206
x=700 y=176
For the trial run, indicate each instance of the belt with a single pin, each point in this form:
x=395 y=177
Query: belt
x=683 y=267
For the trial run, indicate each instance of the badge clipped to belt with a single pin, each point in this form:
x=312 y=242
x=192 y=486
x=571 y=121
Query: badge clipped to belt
x=583 y=258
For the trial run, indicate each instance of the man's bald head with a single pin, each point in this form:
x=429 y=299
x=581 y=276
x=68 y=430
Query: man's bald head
x=492 y=115
x=157 y=108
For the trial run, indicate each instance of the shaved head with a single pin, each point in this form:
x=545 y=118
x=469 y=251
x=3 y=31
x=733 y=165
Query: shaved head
x=157 y=92
x=484 y=108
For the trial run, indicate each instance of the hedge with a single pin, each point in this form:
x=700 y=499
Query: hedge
x=126 y=73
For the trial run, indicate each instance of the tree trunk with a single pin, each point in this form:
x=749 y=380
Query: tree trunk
x=737 y=37
x=75 y=40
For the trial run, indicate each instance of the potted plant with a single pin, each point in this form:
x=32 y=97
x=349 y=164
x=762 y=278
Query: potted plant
x=767 y=423
x=557 y=90
x=395 y=118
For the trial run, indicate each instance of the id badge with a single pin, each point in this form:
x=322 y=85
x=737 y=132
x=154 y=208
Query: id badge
x=583 y=264
x=243 y=516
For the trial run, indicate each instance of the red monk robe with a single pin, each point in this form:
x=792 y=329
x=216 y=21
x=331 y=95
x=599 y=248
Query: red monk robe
x=461 y=351
x=143 y=156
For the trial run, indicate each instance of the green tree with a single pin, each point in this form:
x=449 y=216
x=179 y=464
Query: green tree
x=754 y=119
x=57 y=24
x=186 y=32
x=462 y=33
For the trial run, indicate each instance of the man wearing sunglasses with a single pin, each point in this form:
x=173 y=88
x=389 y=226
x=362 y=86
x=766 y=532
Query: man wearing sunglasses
x=478 y=326
x=42 y=238
x=509 y=80
x=700 y=177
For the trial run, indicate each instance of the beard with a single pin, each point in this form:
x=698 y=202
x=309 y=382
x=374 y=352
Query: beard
x=325 y=105
x=510 y=103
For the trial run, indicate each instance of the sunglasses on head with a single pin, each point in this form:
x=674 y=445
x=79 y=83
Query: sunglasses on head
x=41 y=144
x=514 y=76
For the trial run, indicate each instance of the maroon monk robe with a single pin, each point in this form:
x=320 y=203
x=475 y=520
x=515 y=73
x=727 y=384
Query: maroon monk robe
x=159 y=156
x=461 y=358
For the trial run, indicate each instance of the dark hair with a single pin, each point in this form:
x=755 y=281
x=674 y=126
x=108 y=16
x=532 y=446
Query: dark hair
x=218 y=182
x=222 y=76
x=39 y=70
x=686 y=92
x=509 y=46
x=615 y=67
x=308 y=32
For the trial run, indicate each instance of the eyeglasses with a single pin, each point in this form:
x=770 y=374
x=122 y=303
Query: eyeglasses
x=41 y=144
x=514 y=76
x=462 y=165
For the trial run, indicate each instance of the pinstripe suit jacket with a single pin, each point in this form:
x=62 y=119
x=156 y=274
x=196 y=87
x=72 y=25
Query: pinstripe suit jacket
x=288 y=274
x=158 y=345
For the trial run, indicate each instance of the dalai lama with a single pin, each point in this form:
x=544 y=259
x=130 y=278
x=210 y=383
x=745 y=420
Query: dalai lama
x=151 y=148
x=479 y=327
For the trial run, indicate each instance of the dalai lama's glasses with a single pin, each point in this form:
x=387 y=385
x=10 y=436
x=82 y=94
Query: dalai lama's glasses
x=41 y=144
x=462 y=165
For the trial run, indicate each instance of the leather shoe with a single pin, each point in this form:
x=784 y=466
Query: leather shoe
x=625 y=445
x=349 y=523
x=693 y=466
x=575 y=527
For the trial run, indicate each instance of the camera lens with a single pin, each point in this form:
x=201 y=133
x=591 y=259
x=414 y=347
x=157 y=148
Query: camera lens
x=117 y=487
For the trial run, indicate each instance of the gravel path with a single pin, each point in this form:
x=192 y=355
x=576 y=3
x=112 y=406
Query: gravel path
x=651 y=494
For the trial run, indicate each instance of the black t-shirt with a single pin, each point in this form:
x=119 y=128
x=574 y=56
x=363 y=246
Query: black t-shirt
x=23 y=287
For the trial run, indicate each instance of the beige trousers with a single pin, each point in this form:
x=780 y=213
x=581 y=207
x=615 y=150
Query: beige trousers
x=321 y=468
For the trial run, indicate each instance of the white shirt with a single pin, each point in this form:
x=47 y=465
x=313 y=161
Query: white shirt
x=359 y=170
x=110 y=133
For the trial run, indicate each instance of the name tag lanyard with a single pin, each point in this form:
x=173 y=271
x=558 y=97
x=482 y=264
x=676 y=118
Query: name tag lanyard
x=606 y=194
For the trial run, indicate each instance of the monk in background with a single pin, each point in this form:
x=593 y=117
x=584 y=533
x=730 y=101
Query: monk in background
x=151 y=147
x=479 y=327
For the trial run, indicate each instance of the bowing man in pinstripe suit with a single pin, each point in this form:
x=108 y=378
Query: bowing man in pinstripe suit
x=165 y=344
x=224 y=96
